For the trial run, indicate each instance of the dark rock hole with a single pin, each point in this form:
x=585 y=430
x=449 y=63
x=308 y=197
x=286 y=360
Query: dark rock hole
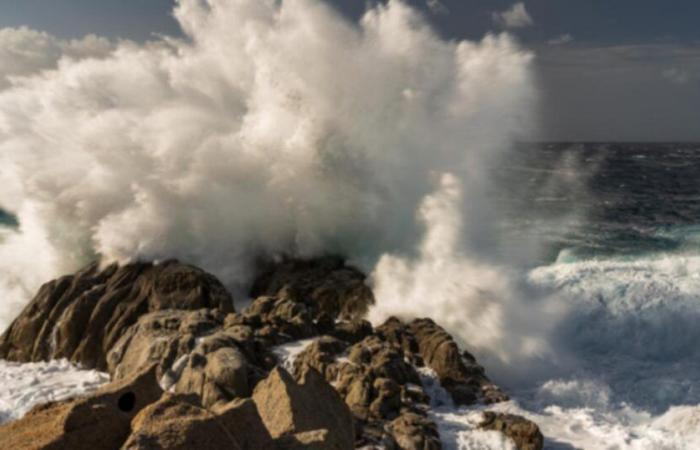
x=127 y=402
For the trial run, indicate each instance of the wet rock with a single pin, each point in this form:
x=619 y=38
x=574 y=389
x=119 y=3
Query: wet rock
x=290 y=408
x=415 y=432
x=80 y=317
x=321 y=355
x=351 y=331
x=387 y=402
x=383 y=360
x=160 y=338
x=525 y=434
x=100 y=421
x=458 y=372
x=283 y=319
x=326 y=285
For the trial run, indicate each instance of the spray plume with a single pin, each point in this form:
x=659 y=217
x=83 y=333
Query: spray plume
x=270 y=127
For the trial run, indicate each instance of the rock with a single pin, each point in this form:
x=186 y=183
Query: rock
x=397 y=334
x=241 y=416
x=525 y=434
x=415 y=432
x=161 y=338
x=321 y=355
x=80 y=317
x=458 y=372
x=326 y=285
x=383 y=360
x=387 y=403
x=290 y=320
x=217 y=376
x=175 y=423
x=351 y=331
x=309 y=440
x=354 y=384
x=100 y=421
x=290 y=408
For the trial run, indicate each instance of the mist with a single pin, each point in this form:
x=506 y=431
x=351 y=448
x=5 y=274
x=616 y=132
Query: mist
x=274 y=128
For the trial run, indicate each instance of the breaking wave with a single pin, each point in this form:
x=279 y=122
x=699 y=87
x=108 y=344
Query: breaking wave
x=269 y=127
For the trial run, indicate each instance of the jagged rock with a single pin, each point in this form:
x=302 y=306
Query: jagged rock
x=217 y=376
x=177 y=423
x=326 y=285
x=321 y=355
x=290 y=408
x=290 y=320
x=80 y=317
x=458 y=372
x=241 y=416
x=100 y=421
x=383 y=360
x=396 y=333
x=160 y=338
x=351 y=331
x=415 y=432
x=387 y=403
x=309 y=440
x=525 y=434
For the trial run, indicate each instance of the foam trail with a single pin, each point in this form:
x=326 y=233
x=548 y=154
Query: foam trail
x=270 y=127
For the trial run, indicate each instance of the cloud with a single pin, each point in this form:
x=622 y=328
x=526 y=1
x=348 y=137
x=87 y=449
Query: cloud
x=561 y=40
x=437 y=7
x=605 y=93
x=515 y=17
x=31 y=51
x=676 y=75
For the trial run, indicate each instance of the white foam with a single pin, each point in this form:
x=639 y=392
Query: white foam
x=23 y=386
x=287 y=353
x=272 y=126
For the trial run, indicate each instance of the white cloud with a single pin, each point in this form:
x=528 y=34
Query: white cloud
x=676 y=75
x=561 y=40
x=515 y=17
x=437 y=7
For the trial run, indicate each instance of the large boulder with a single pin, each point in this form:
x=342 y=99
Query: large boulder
x=415 y=432
x=176 y=422
x=160 y=337
x=195 y=354
x=101 y=421
x=525 y=434
x=80 y=317
x=217 y=376
x=457 y=371
x=327 y=285
x=288 y=407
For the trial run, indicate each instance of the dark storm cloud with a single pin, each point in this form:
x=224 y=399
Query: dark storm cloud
x=623 y=69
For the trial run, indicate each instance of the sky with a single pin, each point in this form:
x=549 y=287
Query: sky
x=622 y=70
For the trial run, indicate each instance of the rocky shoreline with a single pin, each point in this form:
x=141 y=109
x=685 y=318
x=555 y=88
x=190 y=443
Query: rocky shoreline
x=190 y=372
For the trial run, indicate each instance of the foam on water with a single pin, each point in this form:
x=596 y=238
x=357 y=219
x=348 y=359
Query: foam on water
x=23 y=386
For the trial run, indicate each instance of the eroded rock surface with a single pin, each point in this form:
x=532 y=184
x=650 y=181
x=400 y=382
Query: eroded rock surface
x=326 y=284
x=101 y=421
x=525 y=434
x=80 y=317
x=353 y=386
x=288 y=407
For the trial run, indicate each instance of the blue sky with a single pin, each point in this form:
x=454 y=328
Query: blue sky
x=608 y=69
